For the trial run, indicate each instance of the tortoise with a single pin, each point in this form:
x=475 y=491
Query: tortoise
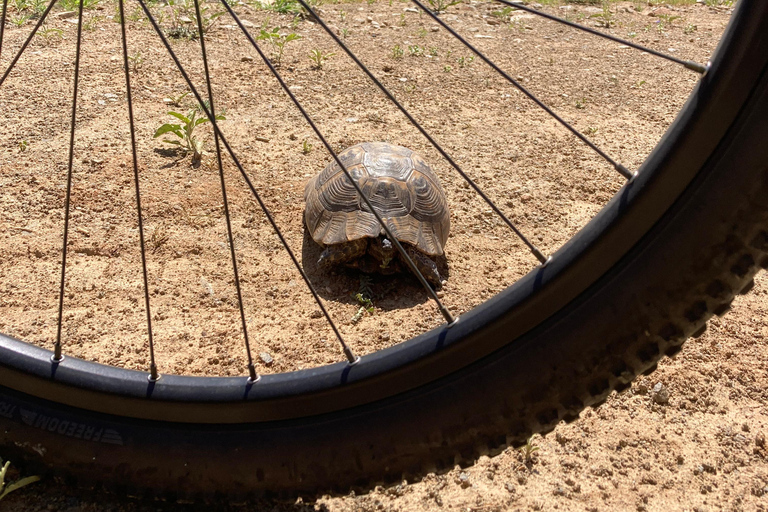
x=405 y=192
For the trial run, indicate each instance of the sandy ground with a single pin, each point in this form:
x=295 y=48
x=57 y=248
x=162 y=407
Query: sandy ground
x=689 y=437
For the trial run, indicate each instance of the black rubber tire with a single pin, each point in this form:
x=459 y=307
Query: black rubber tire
x=668 y=252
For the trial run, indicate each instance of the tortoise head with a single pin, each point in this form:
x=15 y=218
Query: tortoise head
x=383 y=250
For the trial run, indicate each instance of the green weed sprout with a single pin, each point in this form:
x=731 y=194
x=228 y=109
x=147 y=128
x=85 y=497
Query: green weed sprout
x=278 y=41
x=8 y=487
x=188 y=142
x=318 y=58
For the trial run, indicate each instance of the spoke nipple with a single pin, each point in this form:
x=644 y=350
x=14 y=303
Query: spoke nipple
x=153 y=375
x=253 y=377
x=352 y=359
x=546 y=262
x=57 y=359
x=451 y=324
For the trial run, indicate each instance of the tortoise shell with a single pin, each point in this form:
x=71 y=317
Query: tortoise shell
x=402 y=188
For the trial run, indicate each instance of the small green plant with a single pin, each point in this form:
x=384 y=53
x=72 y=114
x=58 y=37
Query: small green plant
x=397 y=52
x=91 y=23
x=504 y=14
x=8 y=487
x=318 y=58
x=50 y=34
x=447 y=68
x=402 y=21
x=278 y=42
x=690 y=29
x=187 y=141
x=343 y=15
x=638 y=84
x=23 y=145
x=306 y=147
x=415 y=50
x=422 y=32
x=136 y=62
x=590 y=131
x=73 y=5
x=581 y=104
x=528 y=449
x=465 y=61
x=176 y=100
x=21 y=19
x=439 y=6
x=604 y=18
x=344 y=32
x=363 y=297
x=285 y=7
x=433 y=51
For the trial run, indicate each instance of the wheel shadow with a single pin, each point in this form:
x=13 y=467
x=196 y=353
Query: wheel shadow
x=340 y=284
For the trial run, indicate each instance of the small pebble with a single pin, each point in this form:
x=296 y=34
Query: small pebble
x=660 y=394
x=266 y=358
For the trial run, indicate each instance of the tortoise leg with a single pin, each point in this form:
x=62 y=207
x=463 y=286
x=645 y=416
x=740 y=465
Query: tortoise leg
x=426 y=266
x=342 y=253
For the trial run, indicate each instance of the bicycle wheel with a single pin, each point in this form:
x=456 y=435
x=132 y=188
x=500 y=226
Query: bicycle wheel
x=671 y=249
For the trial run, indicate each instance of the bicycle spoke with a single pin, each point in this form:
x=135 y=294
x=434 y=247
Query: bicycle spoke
x=536 y=252
x=153 y=375
x=620 y=168
x=2 y=24
x=27 y=41
x=689 y=64
x=351 y=357
x=251 y=368
x=57 y=347
x=411 y=265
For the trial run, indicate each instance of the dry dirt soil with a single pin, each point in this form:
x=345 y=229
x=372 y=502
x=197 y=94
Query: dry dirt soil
x=689 y=437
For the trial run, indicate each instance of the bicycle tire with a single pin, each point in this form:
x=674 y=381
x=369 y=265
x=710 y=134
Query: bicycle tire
x=670 y=250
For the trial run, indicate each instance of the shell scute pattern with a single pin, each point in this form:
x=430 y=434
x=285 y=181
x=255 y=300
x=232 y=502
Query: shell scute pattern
x=402 y=189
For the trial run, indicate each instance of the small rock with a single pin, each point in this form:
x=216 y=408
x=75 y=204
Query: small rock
x=464 y=480
x=434 y=28
x=560 y=438
x=493 y=21
x=660 y=394
x=384 y=336
x=247 y=24
x=185 y=19
x=351 y=119
x=509 y=487
x=247 y=58
x=559 y=491
x=66 y=14
x=760 y=439
x=316 y=314
x=266 y=358
x=709 y=468
x=411 y=9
